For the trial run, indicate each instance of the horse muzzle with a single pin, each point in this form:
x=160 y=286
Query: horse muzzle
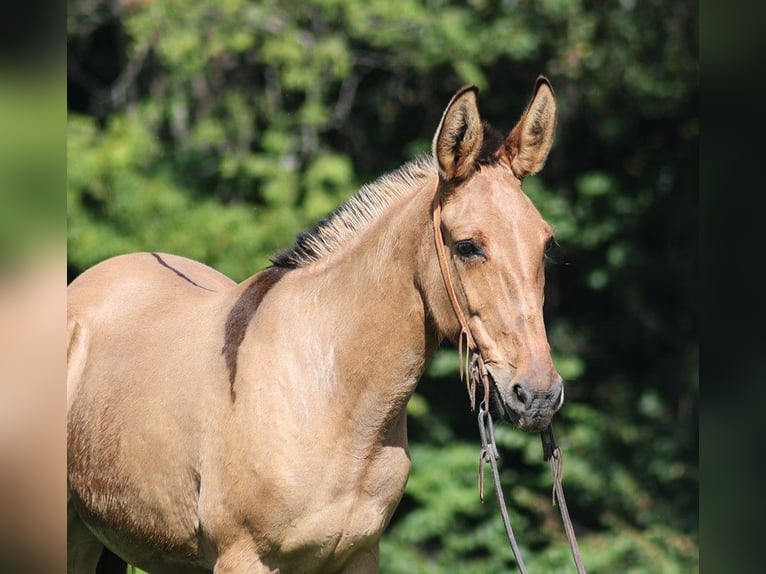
x=526 y=405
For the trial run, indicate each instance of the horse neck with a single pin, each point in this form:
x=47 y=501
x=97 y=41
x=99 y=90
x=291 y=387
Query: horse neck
x=370 y=317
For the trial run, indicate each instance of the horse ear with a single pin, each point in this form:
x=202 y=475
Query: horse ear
x=530 y=141
x=459 y=137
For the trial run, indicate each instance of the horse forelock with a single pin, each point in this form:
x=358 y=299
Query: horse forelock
x=492 y=141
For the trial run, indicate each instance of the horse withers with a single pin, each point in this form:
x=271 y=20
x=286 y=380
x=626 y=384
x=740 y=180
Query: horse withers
x=261 y=426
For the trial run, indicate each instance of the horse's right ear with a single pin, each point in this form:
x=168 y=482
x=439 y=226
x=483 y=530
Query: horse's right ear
x=459 y=137
x=530 y=141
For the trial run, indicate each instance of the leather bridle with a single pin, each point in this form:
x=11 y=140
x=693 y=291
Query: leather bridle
x=474 y=370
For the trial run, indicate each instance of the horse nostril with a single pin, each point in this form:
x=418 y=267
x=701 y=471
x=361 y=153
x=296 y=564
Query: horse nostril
x=521 y=394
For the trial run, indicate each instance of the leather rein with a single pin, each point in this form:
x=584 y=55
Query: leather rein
x=473 y=369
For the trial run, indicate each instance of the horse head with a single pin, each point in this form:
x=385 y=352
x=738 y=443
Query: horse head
x=495 y=242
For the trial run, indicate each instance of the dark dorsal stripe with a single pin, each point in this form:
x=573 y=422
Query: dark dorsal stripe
x=242 y=313
x=164 y=263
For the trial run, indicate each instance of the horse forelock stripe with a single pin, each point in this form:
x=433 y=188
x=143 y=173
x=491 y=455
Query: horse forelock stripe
x=242 y=313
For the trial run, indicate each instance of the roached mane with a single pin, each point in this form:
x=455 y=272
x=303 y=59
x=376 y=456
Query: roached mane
x=367 y=204
x=361 y=209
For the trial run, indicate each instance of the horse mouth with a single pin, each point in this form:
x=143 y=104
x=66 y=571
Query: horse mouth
x=534 y=423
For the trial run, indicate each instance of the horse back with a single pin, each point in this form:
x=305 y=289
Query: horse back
x=135 y=300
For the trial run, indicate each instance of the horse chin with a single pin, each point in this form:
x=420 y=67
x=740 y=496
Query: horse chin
x=534 y=424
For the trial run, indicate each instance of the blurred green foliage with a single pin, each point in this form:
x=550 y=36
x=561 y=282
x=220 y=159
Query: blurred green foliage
x=31 y=166
x=219 y=130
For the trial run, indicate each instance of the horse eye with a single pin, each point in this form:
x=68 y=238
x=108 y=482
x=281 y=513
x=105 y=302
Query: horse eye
x=467 y=249
x=549 y=252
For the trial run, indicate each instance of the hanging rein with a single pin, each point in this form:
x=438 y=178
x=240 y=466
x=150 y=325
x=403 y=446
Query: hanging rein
x=473 y=370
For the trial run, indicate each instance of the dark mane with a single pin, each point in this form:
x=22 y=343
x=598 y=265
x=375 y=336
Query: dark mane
x=362 y=208
x=369 y=202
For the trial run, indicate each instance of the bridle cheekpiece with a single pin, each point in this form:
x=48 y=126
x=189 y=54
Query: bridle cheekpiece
x=474 y=371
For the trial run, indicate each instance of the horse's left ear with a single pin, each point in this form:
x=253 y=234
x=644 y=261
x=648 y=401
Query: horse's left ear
x=459 y=137
x=530 y=141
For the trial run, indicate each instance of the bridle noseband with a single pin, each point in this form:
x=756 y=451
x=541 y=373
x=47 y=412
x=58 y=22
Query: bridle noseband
x=473 y=369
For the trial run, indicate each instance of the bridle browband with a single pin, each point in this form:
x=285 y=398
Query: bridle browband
x=473 y=369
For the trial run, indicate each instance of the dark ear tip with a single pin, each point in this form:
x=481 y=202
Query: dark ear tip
x=465 y=89
x=542 y=81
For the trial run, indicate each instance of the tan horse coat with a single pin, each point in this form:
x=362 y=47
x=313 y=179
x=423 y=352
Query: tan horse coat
x=261 y=427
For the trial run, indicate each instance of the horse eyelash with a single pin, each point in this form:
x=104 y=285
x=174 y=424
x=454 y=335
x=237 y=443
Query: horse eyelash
x=550 y=259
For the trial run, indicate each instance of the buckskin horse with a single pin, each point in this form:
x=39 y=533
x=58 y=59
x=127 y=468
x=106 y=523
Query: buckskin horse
x=261 y=426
